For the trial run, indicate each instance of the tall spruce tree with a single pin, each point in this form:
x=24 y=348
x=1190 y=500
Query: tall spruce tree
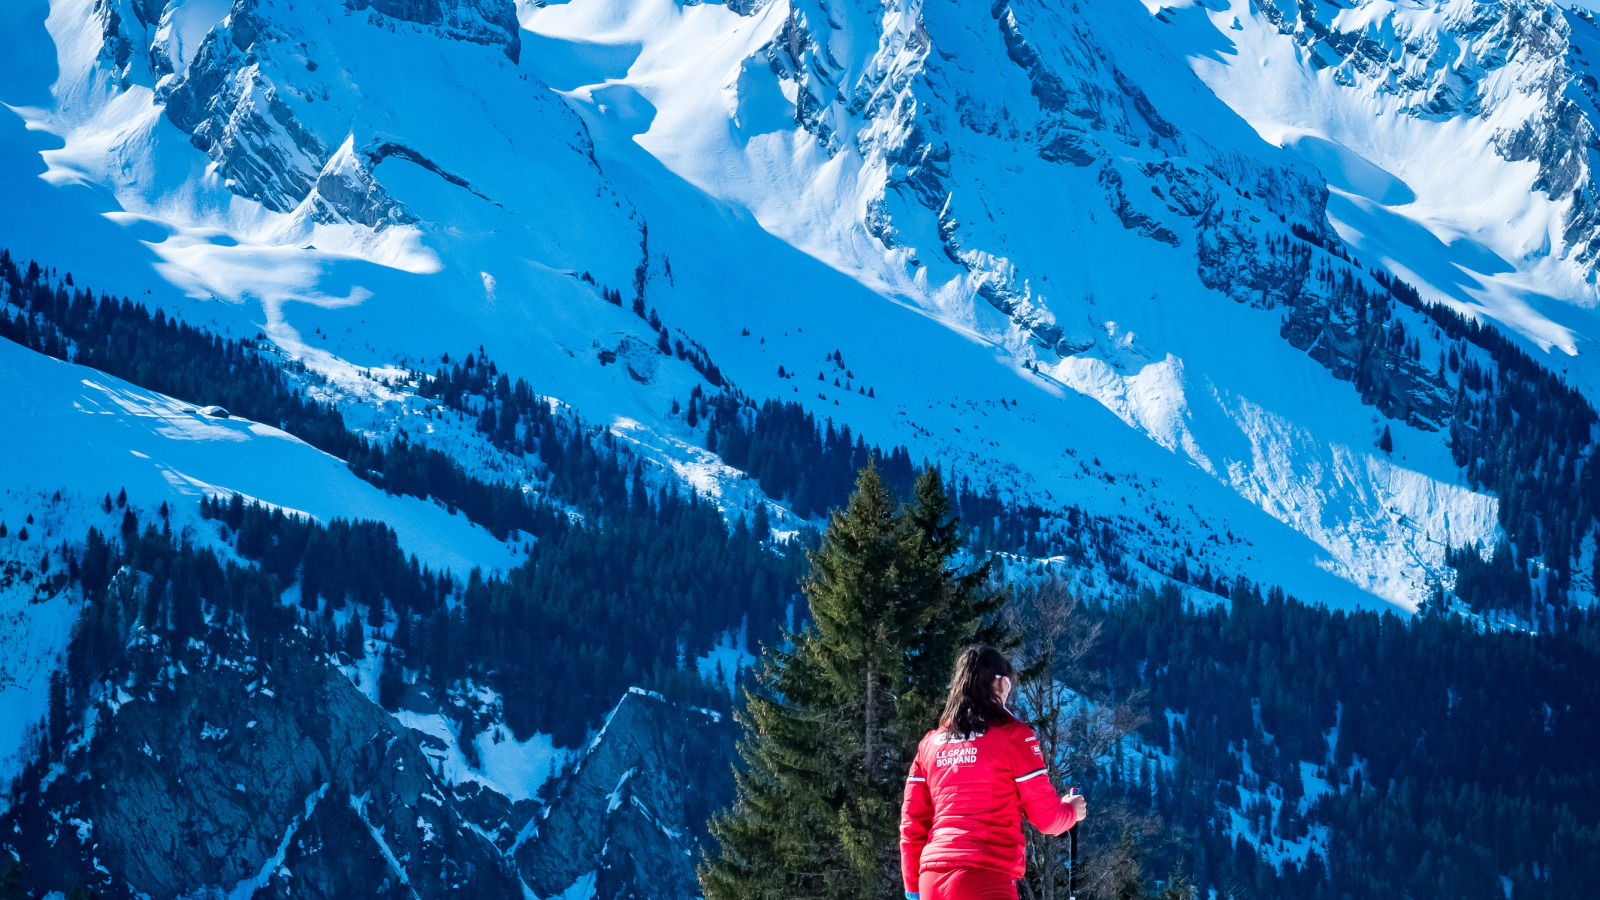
x=956 y=608
x=830 y=734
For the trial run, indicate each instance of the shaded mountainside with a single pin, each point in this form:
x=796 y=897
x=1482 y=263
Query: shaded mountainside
x=242 y=761
x=632 y=814
x=225 y=764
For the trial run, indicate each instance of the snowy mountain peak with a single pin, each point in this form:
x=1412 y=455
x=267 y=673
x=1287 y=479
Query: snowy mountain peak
x=1182 y=237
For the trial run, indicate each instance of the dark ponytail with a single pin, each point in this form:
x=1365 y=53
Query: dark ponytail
x=973 y=705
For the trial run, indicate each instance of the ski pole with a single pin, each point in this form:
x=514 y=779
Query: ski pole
x=1072 y=856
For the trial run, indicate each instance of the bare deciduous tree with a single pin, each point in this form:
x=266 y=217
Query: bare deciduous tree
x=1079 y=722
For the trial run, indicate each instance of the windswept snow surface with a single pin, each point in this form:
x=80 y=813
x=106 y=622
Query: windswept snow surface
x=875 y=186
x=76 y=430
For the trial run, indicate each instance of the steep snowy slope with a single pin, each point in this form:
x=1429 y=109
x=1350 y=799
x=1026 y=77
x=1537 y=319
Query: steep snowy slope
x=80 y=431
x=1456 y=139
x=1026 y=203
x=1070 y=205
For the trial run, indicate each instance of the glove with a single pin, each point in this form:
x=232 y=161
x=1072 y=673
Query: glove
x=913 y=896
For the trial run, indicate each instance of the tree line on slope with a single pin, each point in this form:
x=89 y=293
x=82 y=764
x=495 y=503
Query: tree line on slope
x=1515 y=427
x=594 y=610
x=124 y=339
x=1426 y=757
x=585 y=468
x=794 y=456
x=628 y=588
x=245 y=376
x=812 y=463
x=558 y=652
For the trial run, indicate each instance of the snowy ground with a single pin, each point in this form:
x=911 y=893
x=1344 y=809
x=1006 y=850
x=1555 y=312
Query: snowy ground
x=84 y=433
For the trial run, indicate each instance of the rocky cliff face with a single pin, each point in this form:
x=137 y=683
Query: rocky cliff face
x=237 y=101
x=917 y=91
x=232 y=767
x=255 y=769
x=489 y=22
x=272 y=99
x=1517 y=64
x=632 y=815
x=1068 y=93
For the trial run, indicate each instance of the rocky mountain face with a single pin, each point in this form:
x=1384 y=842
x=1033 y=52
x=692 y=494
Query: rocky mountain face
x=917 y=91
x=254 y=768
x=632 y=815
x=1520 y=66
x=295 y=108
x=234 y=101
x=225 y=765
x=913 y=90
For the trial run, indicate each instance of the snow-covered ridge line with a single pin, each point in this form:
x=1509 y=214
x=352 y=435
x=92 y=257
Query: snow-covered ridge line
x=973 y=203
x=1223 y=209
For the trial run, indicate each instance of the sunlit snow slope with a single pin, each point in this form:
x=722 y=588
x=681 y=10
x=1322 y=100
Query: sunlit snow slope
x=1071 y=208
x=1455 y=138
x=85 y=433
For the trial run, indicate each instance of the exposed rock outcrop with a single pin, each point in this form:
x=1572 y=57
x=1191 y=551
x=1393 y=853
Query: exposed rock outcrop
x=237 y=101
x=490 y=22
x=633 y=812
x=224 y=766
x=232 y=767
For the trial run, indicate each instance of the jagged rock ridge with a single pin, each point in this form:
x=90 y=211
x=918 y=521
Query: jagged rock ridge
x=240 y=767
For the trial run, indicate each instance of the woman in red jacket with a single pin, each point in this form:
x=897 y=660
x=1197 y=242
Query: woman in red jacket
x=974 y=778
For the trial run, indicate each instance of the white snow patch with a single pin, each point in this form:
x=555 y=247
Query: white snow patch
x=247 y=888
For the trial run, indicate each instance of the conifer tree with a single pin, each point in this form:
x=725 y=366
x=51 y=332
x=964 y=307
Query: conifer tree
x=958 y=608
x=829 y=737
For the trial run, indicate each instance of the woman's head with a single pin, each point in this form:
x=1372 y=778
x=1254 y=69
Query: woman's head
x=977 y=691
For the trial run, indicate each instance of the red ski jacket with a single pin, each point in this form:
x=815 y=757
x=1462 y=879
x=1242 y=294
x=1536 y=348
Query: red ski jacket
x=965 y=798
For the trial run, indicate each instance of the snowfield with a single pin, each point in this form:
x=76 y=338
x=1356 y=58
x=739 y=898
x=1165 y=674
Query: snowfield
x=1423 y=192
x=87 y=434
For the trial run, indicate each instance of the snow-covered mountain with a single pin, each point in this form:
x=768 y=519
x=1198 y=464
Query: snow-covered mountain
x=1172 y=268
x=1080 y=208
